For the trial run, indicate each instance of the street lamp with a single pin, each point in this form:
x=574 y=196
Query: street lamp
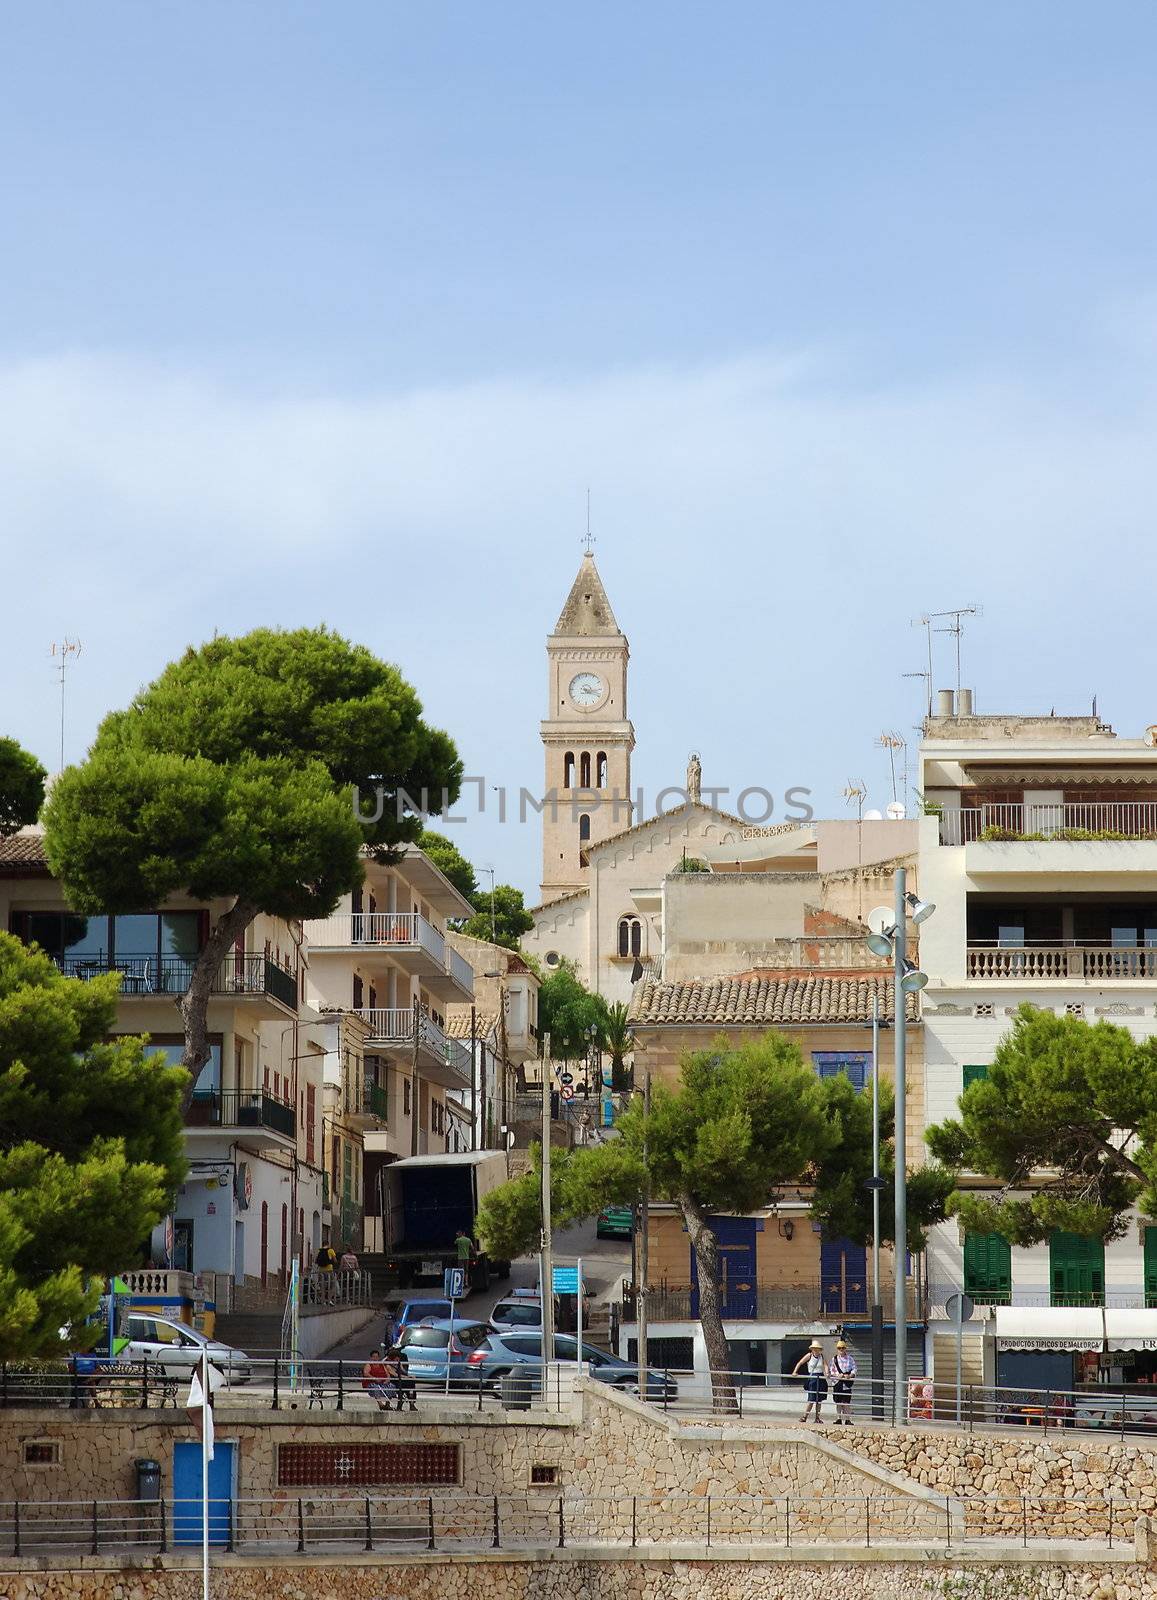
x=886 y=941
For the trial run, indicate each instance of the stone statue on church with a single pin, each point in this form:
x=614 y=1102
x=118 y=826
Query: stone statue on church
x=694 y=777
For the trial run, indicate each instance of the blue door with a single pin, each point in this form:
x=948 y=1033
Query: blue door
x=187 y=1493
x=736 y=1236
x=843 y=1278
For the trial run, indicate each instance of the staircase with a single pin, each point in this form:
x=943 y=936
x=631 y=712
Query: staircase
x=255 y=1332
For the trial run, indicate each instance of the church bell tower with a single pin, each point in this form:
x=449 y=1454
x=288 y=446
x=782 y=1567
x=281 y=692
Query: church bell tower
x=586 y=737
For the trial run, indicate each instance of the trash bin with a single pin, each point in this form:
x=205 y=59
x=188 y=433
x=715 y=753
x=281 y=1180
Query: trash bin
x=148 y=1480
x=518 y=1388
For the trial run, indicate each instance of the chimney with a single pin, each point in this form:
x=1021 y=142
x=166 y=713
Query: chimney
x=945 y=699
x=964 y=708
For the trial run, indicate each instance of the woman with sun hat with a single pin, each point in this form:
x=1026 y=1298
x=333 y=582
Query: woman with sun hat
x=816 y=1385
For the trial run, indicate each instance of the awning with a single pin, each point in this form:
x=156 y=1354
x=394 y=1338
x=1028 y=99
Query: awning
x=1131 y=1330
x=1050 y=1328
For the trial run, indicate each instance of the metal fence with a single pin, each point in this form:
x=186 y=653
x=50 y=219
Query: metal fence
x=454 y=1521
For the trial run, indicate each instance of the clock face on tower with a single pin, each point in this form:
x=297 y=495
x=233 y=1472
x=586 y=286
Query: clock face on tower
x=586 y=690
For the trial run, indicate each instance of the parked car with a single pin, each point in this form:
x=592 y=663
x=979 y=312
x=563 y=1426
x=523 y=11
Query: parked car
x=177 y=1348
x=522 y=1308
x=427 y=1346
x=404 y=1313
x=499 y=1353
x=615 y=1222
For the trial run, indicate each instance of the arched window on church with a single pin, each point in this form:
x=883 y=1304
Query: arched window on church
x=630 y=936
x=568 y=770
x=585 y=770
x=584 y=828
x=601 y=769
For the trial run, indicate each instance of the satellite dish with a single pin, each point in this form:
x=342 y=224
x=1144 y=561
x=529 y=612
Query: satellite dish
x=881 y=919
x=873 y=816
x=897 y=811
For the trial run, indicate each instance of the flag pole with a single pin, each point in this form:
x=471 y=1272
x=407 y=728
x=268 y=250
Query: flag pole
x=206 y=1436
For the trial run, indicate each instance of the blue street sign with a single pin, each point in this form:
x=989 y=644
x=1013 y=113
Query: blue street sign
x=454 y=1283
x=565 y=1280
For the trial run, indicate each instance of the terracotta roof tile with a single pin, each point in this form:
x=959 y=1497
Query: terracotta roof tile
x=458 y=1023
x=23 y=852
x=765 y=999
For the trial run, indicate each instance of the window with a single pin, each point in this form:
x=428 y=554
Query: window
x=347 y=1465
x=551 y=958
x=677 y=1354
x=974 y=1074
x=208 y=1079
x=585 y=770
x=523 y=1316
x=988 y=1268
x=601 y=769
x=854 y=1064
x=584 y=828
x=524 y=1344
x=42 y=1452
x=425 y=1338
x=568 y=770
x=406 y=1097
x=542 y=1473
x=630 y=936
x=1150 y=1268
x=359 y=993
x=163 y=944
x=1077 y=1268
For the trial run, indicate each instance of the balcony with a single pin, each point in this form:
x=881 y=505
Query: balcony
x=796 y=1303
x=401 y=939
x=1063 y=963
x=239 y=976
x=440 y=1060
x=1113 y=821
x=265 y=1119
x=366 y=1105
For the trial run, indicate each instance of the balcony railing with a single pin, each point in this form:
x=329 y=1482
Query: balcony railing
x=381 y=929
x=374 y=1100
x=1110 y=1299
x=1062 y=961
x=171 y=975
x=241 y=1108
x=460 y=969
x=1077 y=822
x=802 y=1302
x=394 y=1025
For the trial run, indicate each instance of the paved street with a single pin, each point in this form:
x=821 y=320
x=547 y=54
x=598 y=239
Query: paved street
x=605 y=1262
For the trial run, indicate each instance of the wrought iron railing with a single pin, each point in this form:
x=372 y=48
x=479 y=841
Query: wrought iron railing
x=241 y=1108
x=801 y=1302
x=250 y=974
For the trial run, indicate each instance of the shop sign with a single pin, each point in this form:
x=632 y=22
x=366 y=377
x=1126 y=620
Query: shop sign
x=1052 y=1341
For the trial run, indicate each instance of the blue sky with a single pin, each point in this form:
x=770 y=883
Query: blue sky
x=334 y=312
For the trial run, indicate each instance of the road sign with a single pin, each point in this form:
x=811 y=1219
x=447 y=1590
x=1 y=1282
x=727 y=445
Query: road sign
x=567 y=1092
x=566 y=1077
x=959 y=1307
x=565 y=1280
x=454 y=1283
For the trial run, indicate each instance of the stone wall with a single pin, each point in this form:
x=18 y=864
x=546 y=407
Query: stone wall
x=559 y=1575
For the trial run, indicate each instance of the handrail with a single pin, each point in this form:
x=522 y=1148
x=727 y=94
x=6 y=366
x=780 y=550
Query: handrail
x=1079 y=822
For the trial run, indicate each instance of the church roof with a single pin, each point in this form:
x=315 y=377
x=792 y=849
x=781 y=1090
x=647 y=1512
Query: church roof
x=587 y=610
x=672 y=816
x=764 y=999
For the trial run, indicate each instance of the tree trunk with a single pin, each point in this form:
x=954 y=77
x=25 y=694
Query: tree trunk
x=194 y=1003
x=706 y=1248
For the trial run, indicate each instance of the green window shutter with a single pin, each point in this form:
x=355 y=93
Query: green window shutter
x=988 y=1267
x=973 y=1074
x=1077 y=1266
x=1151 y=1267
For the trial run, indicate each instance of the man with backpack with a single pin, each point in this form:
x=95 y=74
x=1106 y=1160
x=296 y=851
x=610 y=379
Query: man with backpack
x=326 y=1265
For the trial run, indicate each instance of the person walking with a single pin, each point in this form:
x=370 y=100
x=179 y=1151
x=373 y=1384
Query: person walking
x=326 y=1267
x=816 y=1386
x=842 y=1372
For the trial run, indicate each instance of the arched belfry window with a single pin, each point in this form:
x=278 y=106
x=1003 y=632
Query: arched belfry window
x=601 y=769
x=585 y=770
x=584 y=828
x=568 y=770
x=630 y=936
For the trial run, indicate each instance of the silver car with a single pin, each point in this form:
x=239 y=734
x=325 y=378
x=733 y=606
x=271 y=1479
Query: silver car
x=177 y=1348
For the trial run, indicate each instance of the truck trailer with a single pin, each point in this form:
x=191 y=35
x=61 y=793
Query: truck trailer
x=425 y=1200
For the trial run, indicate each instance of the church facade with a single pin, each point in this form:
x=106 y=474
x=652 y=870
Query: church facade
x=603 y=867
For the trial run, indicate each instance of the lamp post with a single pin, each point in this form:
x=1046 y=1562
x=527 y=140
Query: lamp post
x=907 y=979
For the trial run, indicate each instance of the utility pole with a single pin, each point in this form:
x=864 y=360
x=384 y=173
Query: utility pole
x=900 y=1058
x=473 y=1079
x=545 y=1263
x=877 y=1304
x=644 y=1237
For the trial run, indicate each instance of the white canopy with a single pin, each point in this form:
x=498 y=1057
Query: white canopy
x=1131 y=1330
x=1050 y=1328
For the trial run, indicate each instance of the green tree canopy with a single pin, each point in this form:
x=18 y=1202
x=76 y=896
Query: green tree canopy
x=91 y=1147
x=510 y=917
x=21 y=787
x=745 y=1121
x=234 y=777
x=450 y=861
x=1067 y=1114
x=566 y=1010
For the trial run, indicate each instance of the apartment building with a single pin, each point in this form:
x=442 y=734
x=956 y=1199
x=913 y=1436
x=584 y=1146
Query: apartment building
x=771 y=937
x=1041 y=861
x=384 y=958
x=502 y=1027
x=252 y=1201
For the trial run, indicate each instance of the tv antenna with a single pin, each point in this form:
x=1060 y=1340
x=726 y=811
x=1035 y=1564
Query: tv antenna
x=64 y=652
x=891 y=742
x=927 y=676
x=588 y=536
x=955 y=626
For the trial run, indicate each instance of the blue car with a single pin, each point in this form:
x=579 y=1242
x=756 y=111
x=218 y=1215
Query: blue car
x=492 y=1357
x=429 y=1345
x=407 y=1312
